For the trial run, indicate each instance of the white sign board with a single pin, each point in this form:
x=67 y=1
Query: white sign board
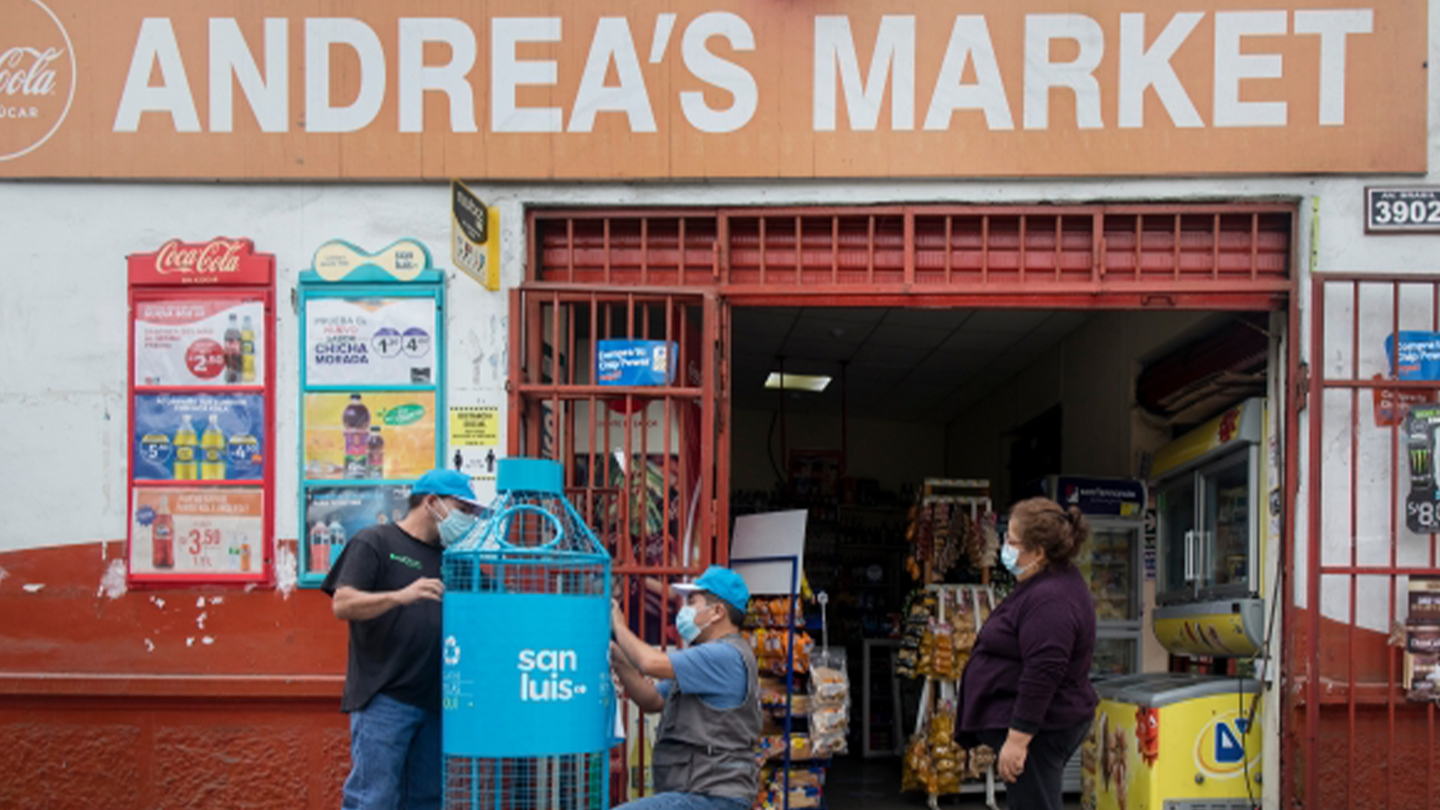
x=770 y=534
x=370 y=341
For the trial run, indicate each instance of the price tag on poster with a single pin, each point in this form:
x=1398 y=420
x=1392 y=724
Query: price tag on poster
x=197 y=531
x=334 y=514
x=370 y=341
x=475 y=440
x=194 y=342
x=198 y=437
x=381 y=435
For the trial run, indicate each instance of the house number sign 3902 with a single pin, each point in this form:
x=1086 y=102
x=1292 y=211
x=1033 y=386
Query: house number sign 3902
x=1412 y=209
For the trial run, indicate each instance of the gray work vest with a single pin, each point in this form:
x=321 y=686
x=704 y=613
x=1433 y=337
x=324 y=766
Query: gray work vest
x=700 y=749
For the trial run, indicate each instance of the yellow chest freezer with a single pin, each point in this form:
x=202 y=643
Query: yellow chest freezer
x=1170 y=741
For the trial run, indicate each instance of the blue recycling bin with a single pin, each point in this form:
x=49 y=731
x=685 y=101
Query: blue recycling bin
x=528 y=701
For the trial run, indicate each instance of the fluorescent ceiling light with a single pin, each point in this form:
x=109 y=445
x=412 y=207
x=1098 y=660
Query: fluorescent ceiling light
x=797 y=382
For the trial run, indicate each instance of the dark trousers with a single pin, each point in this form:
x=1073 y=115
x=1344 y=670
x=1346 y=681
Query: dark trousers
x=1041 y=783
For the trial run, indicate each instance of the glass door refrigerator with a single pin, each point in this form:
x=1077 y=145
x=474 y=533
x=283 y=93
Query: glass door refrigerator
x=1165 y=741
x=1112 y=563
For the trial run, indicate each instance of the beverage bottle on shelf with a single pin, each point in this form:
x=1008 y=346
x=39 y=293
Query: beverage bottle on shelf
x=162 y=536
x=356 y=422
x=212 y=451
x=232 y=350
x=337 y=540
x=375 y=453
x=187 y=462
x=247 y=350
x=319 y=548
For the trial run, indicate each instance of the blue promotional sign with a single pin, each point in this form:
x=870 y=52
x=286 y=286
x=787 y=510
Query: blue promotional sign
x=334 y=514
x=1418 y=357
x=635 y=362
x=200 y=437
x=526 y=675
x=1101 y=497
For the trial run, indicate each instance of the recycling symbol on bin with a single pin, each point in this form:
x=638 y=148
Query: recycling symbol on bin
x=451 y=653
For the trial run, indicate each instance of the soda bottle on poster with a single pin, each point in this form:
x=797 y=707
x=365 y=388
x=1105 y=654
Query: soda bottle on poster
x=356 y=421
x=162 y=537
x=244 y=552
x=187 y=466
x=319 y=548
x=337 y=540
x=212 y=451
x=375 y=453
x=247 y=351
x=232 y=350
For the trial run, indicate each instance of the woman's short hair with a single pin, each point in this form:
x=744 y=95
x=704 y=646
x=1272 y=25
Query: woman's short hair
x=1043 y=525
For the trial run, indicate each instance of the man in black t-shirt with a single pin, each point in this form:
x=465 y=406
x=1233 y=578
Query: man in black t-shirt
x=387 y=585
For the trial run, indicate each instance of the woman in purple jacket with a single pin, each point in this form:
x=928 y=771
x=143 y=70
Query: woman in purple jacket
x=1026 y=691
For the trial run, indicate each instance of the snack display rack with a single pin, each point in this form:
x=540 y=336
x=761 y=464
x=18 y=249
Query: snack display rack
x=952 y=522
x=774 y=626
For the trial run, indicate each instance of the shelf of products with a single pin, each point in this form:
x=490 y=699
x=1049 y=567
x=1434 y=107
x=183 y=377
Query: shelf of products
x=805 y=696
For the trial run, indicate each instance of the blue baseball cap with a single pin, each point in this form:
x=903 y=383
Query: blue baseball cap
x=722 y=582
x=447 y=484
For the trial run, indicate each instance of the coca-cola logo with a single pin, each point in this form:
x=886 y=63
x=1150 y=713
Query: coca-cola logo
x=213 y=258
x=37 y=76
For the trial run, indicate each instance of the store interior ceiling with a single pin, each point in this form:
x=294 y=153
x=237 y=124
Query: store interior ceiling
x=908 y=365
x=931 y=365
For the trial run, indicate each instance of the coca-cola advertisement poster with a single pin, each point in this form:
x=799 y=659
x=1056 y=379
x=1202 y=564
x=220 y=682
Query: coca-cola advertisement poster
x=214 y=530
x=194 y=342
x=334 y=514
x=370 y=341
x=201 y=437
x=369 y=435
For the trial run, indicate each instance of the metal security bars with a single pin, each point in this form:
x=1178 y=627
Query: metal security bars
x=1221 y=256
x=1352 y=739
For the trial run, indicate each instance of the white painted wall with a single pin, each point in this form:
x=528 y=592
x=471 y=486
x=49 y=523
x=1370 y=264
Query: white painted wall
x=63 y=325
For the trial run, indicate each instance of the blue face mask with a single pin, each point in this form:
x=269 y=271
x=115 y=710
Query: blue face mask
x=685 y=623
x=455 y=526
x=1010 y=557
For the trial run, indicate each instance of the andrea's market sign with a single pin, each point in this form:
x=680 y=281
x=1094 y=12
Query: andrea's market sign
x=683 y=89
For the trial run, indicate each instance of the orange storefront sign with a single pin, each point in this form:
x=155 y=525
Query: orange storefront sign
x=573 y=89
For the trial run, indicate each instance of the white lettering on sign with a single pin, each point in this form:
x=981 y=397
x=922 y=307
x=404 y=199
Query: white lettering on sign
x=28 y=71
x=212 y=258
x=1143 y=53
x=535 y=689
x=231 y=61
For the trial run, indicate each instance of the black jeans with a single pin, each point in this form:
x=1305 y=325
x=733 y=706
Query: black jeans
x=1041 y=783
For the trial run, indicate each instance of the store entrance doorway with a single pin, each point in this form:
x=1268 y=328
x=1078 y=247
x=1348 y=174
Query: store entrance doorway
x=727 y=273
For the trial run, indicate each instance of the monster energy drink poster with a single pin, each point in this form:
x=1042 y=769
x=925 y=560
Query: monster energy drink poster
x=1422 y=510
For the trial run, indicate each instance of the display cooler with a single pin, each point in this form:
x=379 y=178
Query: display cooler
x=1184 y=741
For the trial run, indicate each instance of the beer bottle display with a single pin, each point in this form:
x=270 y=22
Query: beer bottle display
x=187 y=462
x=162 y=536
x=247 y=351
x=356 y=421
x=212 y=451
x=375 y=453
x=232 y=351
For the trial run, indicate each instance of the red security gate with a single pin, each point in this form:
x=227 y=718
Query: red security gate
x=641 y=463
x=1351 y=738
